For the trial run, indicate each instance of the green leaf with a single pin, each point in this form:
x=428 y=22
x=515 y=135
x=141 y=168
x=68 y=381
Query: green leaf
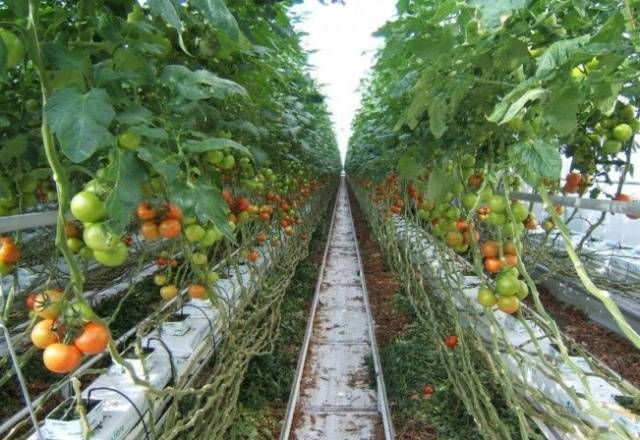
x=150 y=132
x=204 y=201
x=409 y=167
x=535 y=159
x=492 y=13
x=611 y=31
x=136 y=115
x=218 y=14
x=166 y=163
x=14 y=147
x=128 y=174
x=562 y=108
x=168 y=11
x=80 y=121
x=200 y=84
x=438 y=116
x=605 y=95
x=64 y=59
x=507 y=110
x=439 y=185
x=558 y=54
x=210 y=144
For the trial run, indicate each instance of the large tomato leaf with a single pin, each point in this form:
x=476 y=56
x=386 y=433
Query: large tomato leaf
x=218 y=14
x=210 y=144
x=127 y=174
x=507 y=109
x=536 y=159
x=493 y=13
x=202 y=200
x=558 y=53
x=80 y=121
x=562 y=108
x=166 y=163
x=200 y=84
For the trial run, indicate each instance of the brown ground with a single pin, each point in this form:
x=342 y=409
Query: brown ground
x=389 y=323
x=612 y=349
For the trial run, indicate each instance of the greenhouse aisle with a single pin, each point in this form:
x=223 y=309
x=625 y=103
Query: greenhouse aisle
x=334 y=397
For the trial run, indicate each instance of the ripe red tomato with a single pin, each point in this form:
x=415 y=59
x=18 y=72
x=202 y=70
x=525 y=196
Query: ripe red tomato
x=9 y=252
x=451 y=341
x=574 y=179
x=93 y=339
x=30 y=300
x=261 y=237
x=173 y=212
x=71 y=230
x=197 y=291
x=149 y=231
x=243 y=204
x=253 y=256
x=170 y=228
x=492 y=264
x=427 y=391
x=490 y=248
x=145 y=212
x=61 y=358
x=626 y=198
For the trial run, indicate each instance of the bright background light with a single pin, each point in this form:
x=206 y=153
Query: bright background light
x=344 y=48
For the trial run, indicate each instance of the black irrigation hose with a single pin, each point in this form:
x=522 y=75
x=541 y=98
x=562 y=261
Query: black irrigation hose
x=144 y=425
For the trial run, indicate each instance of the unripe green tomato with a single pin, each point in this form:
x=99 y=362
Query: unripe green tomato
x=622 y=132
x=74 y=244
x=32 y=105
x=52 y=196
x=524 y=290
x=113 y=258
x=194 y=233
x=507 y=285
x=199 y=258
x=213 y=277
x=497 y=203
x=228 y=162
x=79 y=310
x=99 y=237
x=453 y=213
x=29 y=200
x=9 y=201
x=129 y=140
x=160 y=280
x=211 y=236
x=28 y=184
x=497 y=218
x=214 y=157
x=547 y=225
x=520 y=211
x=486 y=194
x=424 y=215
x=468 y=161
x=486 y=297
x=86 y=253
x=87 y=207
x=469 y=200
x=611 y=147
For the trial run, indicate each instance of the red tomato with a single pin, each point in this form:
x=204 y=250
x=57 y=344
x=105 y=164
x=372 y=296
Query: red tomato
x=9 y=252
x=451 y=341
x=197 y=291
x=149 y=231
x=61 y=358
x=145 y=212
x=93 y=339
x=173 y=212
x=170 y=228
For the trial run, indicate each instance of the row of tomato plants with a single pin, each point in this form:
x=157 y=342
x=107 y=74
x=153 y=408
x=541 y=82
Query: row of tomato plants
x=193 y=123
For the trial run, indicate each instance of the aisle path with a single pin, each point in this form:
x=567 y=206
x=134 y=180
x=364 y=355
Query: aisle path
x=336 y=397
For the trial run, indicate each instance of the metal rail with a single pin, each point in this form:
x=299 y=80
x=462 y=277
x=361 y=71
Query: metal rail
x=613 y=206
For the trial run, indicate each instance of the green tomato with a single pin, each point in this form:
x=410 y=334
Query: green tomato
x=97 y=188
x=28 y=185
x=32 y=105
x=99 y=237
x=469 y=200
x=86 y=253
x=611 y=147
x=160 y=280
x=9 y=201
x=520 y=211
x=79 y=310
x=189 y=221
x=497 y=218
x=524 y=290
x=424 y=215
x=87 y=207
x=211 y=236
x=29 y=200
x=622 y=132
x=486 y=194
x=548 y=225
x=129 y=140
x=213 y=277
x=194 y=233
x=52 y=196
x=486 y=297
x=113 y=258
x=497 y=203
x=214 y=157
x=507 y=285
x=199 y=258
x=468 y=161
x=14 y=48
x=228 y=162
x=74 y=244
x=453 y=213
